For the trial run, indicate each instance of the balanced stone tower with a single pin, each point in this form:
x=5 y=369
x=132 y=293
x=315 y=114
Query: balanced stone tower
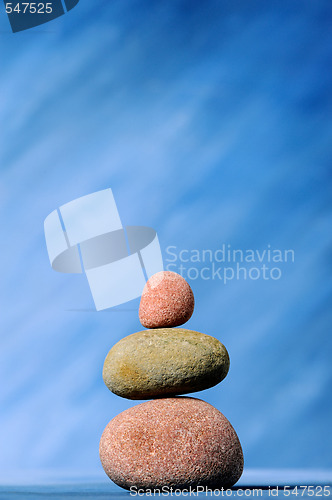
x=170 y=441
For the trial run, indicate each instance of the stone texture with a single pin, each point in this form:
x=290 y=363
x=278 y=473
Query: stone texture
x=167 y=301
x=164 y=362
x=178 y=442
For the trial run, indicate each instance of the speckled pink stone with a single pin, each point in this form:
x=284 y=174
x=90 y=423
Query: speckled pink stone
x=167 y=301
x=178 y=442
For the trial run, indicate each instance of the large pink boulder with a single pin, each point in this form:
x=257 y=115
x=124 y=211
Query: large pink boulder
x=174 y=442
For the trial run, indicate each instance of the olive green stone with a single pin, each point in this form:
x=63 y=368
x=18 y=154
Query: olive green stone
x=164 y=361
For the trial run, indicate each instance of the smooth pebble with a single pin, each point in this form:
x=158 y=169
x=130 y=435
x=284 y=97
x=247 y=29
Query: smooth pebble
x=164 y=362
x=178 y=442
x=167 y=301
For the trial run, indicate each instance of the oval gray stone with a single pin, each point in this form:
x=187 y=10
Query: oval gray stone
x=163 y=362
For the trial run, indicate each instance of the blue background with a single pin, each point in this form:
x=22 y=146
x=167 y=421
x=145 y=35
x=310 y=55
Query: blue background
x=211 y=122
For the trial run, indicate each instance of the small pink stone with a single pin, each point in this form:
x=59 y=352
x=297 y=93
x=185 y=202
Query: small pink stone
x=167 y=301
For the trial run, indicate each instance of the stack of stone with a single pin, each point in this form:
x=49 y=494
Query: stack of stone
x=178 y=442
